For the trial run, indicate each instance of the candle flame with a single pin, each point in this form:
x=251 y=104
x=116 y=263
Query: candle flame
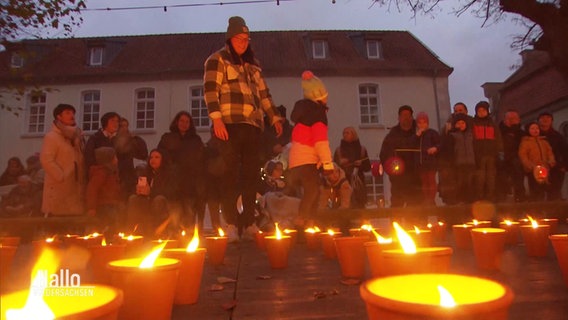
x=148 y=262
x=221 y=233
x=380 y=239
x=310 y=230
x=103 y=242
x=121 y=234
x=330 y=232
x=508 y=222
x=278 y=232
x=183 y=233
x=50 y=239
x=446 y=299
x=405 y=240
x=35 y=307
x=475 y=222
x=194 y=243
x=287 y=231
x=440 y=223
x=416 y=229
x=367 y=227
x=534 y=223
x=429 y=225
x=130 y=238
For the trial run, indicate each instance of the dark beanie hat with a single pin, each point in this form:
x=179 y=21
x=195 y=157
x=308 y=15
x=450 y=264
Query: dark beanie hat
x=459 y=116
x=545 y=113
x=62 y=107
x=236 y=26
x=405 y=107
x=482 y=104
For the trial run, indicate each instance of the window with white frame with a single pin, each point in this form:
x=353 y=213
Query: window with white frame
x=198 y=108
x=145 y=107
x=319 y=49
x=369 y=103
x=90 y=109
x=373 y=49
x=16 y=61
x=35 y=113
x=96 y=56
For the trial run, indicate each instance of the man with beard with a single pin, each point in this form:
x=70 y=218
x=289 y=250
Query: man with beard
x=62 y=159
x=509 y=169
x=399 y=148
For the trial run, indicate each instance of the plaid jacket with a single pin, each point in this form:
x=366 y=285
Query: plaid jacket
x=236 y=93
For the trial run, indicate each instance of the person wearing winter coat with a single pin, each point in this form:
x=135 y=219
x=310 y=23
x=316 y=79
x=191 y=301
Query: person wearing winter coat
x=186 y=153
x=510 y=170
x=14 y=169
x=335 y=191
x=102 y=138
x=353 y=158
x=534 y=151
x=23 y=200
x=61 y=157
x=487 y=146
x=559 y=146
x=459 y=143
x=401 y=143
x=128 y=147
x=103 y=195
x=149 y=207
x=310 y=146
x=429 y=145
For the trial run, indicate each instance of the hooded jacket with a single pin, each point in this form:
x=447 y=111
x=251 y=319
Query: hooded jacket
x=535 y=151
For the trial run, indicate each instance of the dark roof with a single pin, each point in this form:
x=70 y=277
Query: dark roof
x=181 y=56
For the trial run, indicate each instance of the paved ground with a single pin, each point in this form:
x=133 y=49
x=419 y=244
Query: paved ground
x=311 y=287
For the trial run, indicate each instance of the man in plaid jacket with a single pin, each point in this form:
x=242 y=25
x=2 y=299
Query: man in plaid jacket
x=237 y=99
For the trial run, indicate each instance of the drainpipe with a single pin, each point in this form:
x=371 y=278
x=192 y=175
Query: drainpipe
x=436 y=100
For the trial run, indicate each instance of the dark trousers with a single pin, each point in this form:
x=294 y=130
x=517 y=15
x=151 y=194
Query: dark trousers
x=464 y=180
x=556 y=178
x=307 y=178
x=241 y=154
x=486 y=174
x=406 y=189
x=510 y=174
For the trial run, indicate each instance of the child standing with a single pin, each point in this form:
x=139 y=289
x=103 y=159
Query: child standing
x=310 y=144
x=460 y=145
x=429 y=144
x=533 y=151
x=487 y=145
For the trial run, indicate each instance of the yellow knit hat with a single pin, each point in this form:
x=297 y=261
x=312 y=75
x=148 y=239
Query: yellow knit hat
x=313 y=87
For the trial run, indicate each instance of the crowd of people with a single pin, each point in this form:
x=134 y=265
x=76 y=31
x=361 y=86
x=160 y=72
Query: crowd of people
x=174 y=183
x=475 y=158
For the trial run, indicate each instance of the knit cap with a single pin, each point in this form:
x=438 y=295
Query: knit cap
x=482 y=104
x=313 y=87
x=104 y=155
x=423 y=116
x=458 y=117
x=236 y=26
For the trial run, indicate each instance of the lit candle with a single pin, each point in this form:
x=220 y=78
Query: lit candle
x=488 y=246
x=170 y=243
x=436 y=296
x=480 y=224
x=351 y=256
x=216 y=247
x=73 y=300
x=277 y=249
x=39 y=245
x=148 y=284
x=293 y=235
x=101 y=255
x=327 y=243
x=438 y=230
x=422 y=238
x=560 y=245
x=190 y=271
x=411 y=259
x=552 y=222
x=374 y=249
x=462 y=235
x=312 y=235
x=511 y=231
x=84 y=241
x=134 y=244
x=535 y=238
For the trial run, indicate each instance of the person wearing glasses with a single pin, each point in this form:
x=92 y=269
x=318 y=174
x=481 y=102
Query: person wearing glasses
x=237 y=99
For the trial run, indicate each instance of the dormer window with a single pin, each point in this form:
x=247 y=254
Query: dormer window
x=320 y=49
x=373 y=49
x=96 y=56
x=17 y=61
